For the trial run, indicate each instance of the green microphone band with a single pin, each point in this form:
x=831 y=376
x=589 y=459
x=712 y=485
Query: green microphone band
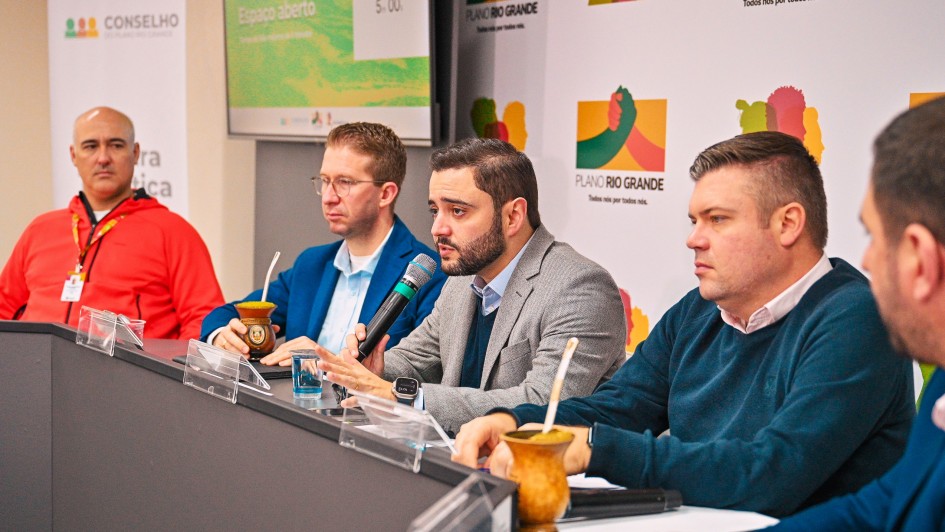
x=405 y=290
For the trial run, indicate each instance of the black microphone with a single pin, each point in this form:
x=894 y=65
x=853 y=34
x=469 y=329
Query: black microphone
x=604 y=503
x=419 y=271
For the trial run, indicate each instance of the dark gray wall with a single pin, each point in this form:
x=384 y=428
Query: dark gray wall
x=289 y=215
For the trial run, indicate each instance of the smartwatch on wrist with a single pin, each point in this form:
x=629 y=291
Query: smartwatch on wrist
x=590 y=436
x=405 y=390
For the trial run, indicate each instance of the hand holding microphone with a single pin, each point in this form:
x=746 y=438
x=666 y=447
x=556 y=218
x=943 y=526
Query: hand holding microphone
x=419 y=272
x=375 y=363
x=347 y=374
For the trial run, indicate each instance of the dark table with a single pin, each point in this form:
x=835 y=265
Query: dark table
x=92 y=442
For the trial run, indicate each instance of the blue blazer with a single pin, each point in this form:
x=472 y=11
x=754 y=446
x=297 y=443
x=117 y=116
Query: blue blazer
x=303 y=293
x=910 y=497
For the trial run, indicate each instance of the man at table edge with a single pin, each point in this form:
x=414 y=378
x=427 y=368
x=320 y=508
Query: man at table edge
x=776 y=376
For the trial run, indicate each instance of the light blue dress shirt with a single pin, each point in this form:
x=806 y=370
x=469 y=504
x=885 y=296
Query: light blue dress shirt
x=491 y=293
x=348 y=298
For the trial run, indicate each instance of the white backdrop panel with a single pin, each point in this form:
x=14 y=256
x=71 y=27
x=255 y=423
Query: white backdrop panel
x=856 y=64
x=134 y=61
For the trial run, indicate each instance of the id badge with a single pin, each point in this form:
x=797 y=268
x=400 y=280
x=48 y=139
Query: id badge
x=72 y=289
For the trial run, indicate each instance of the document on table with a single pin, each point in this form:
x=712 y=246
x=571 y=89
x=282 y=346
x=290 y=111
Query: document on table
x=585 y=482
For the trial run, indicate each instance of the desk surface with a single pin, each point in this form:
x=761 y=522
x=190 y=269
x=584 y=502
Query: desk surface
x=685 y=519
x=120 y=442
x=166 y=350
x=97 y=442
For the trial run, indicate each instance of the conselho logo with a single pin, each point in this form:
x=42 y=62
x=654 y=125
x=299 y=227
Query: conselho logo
x=87 y=27
x=83 y=29
x=142 y=21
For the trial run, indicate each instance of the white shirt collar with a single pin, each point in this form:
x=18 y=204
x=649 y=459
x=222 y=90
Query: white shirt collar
x=343 y=258
x=492 y=292
x=938 y=412
x=783 y=303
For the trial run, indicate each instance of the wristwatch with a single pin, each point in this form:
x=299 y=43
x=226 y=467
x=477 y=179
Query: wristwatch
x=590 y=436
x=405 y=390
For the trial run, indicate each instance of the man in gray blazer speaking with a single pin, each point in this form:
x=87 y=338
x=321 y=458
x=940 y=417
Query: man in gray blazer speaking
x=513 y=298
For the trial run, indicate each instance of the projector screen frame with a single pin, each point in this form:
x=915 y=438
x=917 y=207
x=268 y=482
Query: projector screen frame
x=442 y=87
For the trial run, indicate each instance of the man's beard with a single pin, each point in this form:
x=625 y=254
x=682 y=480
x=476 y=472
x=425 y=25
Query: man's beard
x=908 y=335
x=476 y=255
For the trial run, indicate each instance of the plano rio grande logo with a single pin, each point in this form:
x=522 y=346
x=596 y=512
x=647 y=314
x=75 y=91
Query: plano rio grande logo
x=83 y=29
x=511 y=128
x=622 y=133
x=786 y=111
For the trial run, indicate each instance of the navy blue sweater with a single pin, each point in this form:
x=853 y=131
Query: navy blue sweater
x=813 y=406
x=909 y=498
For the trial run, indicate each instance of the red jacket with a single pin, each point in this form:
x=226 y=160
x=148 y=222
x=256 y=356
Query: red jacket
x=151 y=265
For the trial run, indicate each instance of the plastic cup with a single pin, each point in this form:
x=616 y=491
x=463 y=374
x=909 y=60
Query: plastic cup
x=306 y=377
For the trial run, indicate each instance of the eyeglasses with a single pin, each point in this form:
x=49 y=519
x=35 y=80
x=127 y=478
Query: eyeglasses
x=342 y=185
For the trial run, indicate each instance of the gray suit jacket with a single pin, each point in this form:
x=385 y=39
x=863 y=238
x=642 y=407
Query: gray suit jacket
x=554 y=293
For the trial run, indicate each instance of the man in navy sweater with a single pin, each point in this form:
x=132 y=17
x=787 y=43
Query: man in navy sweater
x=775 y=379
x=904 y=212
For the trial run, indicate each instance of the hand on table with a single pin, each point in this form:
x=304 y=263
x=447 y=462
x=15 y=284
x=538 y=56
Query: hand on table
x=283 y=356
x=230 y=338
x=576 y=457
x=480 y=437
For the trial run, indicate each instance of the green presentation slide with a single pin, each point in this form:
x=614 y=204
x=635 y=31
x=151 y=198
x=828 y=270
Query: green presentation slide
x=301 y=54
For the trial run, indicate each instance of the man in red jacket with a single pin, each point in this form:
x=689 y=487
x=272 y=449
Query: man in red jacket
x=114 y=248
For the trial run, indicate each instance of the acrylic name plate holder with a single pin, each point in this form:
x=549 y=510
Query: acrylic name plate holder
x=465 y=508
x=395 y=433
x=101 y=329
x=218 y=372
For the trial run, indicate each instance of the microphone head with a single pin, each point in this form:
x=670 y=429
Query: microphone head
x=420 y=270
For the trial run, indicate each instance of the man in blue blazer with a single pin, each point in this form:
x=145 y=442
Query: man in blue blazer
x=904 y=213
x=331 y=288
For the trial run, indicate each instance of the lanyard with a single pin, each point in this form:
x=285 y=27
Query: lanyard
x=98 y=236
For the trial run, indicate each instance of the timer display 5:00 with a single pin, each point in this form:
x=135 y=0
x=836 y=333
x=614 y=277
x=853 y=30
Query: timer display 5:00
x=393 y=6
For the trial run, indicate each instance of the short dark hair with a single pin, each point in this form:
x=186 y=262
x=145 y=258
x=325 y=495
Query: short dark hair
x=379 y=143
x=498 y=168
x=908 y=176
x=784 y=171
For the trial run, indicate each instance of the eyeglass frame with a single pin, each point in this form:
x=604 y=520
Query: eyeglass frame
x=320 y=183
